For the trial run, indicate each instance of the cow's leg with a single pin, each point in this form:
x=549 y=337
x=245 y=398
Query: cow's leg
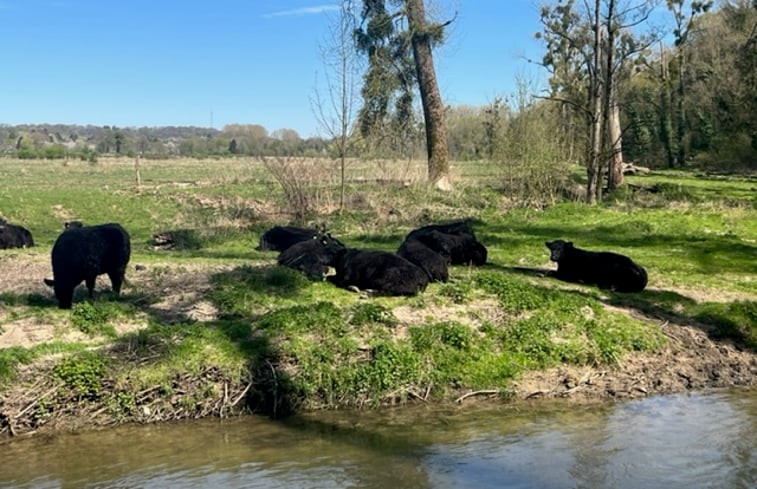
x=90 y=281
x=117 y=279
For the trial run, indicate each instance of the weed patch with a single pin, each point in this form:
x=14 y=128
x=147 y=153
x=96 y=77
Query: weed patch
x=83 y=374
x=10 y=358
x=92 y=319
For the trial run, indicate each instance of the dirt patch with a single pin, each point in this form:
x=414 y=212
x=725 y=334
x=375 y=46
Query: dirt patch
x=22 y=271
x=168 y=292
x=689 y=361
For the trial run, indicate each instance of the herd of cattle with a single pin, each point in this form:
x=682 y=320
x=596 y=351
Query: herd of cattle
x=81 y=253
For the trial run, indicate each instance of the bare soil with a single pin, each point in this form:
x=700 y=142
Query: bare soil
x=691 y=360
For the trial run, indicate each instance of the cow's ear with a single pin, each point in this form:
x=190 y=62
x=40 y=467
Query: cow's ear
x=49 y=283
x=569 y=244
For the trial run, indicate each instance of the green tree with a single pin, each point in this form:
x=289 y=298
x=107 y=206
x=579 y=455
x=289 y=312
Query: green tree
x=398 y=45
x=588 y=46
x=684 y=26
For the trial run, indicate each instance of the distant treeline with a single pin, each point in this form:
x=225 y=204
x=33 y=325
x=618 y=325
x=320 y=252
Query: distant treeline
x=87 y=142
x=468 y=139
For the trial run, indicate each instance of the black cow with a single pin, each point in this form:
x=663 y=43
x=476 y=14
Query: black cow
x=605 y=269
x=83 y=253
x=312 y=257
x=379 y=271
x=461 y=249
x=279 y=238
x=14 y=236
x=456 y=227
x=431 y=262
x=455 y=240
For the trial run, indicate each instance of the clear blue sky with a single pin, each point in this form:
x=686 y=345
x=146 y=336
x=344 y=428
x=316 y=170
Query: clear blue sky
x=134 y=63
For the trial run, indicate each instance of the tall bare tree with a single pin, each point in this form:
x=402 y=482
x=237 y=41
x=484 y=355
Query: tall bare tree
x=586 y=50
x=335 y=109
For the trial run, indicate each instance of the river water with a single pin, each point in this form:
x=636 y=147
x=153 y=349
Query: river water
x=690 y=441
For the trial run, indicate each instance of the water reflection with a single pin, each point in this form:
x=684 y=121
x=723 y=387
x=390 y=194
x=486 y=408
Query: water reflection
x=700 y=440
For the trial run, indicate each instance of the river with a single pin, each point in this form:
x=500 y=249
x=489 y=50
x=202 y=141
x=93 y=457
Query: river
x=699 y=440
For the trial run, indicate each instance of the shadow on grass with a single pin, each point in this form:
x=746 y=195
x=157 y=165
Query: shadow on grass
x=736 y=320
x=9 y=299
x=530 y=272
x=237 y=295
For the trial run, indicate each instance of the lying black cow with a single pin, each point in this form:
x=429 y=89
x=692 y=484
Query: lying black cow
x=456 y=227
x=604 y=269
x=14 y=236
x=279 y=238
x=431 y=262
x=312 y=257
x=83 y=253
x=455 y=241
x=461 y=249
x=381 y=272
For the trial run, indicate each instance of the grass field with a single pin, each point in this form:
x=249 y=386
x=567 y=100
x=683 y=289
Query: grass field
x=285 y=343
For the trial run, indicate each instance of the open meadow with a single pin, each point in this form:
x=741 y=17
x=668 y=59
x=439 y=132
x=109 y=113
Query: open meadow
x=212 y=327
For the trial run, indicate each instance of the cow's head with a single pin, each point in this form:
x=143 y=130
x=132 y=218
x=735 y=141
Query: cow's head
x=558 y=249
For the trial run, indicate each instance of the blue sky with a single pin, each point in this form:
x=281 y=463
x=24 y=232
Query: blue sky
x=134 y=63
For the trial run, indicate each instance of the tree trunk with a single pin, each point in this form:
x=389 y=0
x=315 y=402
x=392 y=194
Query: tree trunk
x=615 y=173
x=665 y=110
x=433 y=108
x=611 y=107
x=681 y=112
x=593 y=187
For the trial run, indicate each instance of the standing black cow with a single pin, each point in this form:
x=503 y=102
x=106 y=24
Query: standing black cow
x=14 y=236
x=604 y=269
x=83 y=253
x=379 y=271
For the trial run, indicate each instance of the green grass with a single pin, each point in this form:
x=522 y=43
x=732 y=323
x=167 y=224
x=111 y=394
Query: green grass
x=313 y=345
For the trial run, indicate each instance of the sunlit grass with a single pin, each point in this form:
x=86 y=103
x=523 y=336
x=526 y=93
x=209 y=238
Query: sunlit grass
x=696 y=236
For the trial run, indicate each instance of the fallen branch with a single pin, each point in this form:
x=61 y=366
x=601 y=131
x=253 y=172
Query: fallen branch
x=537 y=393
x=34 y=403
x=476 y=393
x=240 y=396
x=415 y=395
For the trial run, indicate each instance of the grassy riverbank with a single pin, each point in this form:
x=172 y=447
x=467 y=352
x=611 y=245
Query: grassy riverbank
x=214 y=327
